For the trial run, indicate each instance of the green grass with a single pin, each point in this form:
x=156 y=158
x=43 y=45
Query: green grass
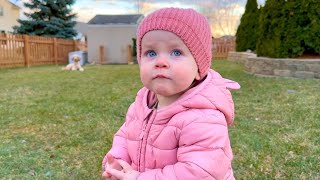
x=58 y=125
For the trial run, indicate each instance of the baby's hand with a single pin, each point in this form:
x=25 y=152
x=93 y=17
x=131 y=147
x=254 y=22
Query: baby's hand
x=127 y=173
x=112 y=163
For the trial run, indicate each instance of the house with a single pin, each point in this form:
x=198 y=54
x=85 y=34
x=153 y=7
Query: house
x=114 y=33
x=82 y=30
x=9 y=13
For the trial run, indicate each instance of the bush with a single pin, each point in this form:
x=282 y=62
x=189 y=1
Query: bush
x=134 y=47
x=289 y=28
x=247 y=30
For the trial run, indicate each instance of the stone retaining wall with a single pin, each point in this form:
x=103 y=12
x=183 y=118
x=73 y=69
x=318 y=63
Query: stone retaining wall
x=299 y=68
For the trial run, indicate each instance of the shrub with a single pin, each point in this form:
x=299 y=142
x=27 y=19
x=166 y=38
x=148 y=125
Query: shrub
x=289 y=28
x=247 y=30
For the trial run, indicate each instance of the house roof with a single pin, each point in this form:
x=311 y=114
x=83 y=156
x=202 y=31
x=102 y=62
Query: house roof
x=227 y=36
x=12 y=2
x=81 y=27
x=116 y=19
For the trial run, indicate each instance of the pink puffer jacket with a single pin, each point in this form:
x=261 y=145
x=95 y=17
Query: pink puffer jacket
x=186 y=140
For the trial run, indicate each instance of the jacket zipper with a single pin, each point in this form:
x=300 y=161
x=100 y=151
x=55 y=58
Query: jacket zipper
x=143 y=131
x=142 y=134
x=141 y=140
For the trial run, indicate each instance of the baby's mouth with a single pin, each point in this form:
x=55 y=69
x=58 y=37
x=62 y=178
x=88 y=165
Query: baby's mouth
x=160 y=76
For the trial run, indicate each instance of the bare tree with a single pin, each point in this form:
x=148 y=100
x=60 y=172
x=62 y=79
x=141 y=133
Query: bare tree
x=224 y=16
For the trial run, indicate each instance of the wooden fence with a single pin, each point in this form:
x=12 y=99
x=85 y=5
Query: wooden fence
x=25 y=50
x=221 y=47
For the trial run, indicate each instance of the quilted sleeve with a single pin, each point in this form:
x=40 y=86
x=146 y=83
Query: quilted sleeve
x=204 y=152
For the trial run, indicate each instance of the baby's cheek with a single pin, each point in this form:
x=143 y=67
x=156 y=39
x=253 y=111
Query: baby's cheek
x=144 y=75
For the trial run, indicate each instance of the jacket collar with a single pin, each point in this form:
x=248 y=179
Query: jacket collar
x=212 y=93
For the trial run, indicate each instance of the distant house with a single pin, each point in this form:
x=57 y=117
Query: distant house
x=9 y=13
x=115 y=33
x=82 y=29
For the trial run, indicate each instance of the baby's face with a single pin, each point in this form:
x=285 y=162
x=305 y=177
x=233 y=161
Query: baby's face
x=167 y=67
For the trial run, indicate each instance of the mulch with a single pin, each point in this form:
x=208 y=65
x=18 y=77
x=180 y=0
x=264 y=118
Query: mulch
x=309 y=56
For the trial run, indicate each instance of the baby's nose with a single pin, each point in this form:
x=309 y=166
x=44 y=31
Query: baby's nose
x=162 y=62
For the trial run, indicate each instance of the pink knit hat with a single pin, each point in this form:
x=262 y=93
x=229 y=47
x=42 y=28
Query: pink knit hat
x=192 y=27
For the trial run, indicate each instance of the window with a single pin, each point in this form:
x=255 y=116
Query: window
x=1 y=11
x=3 y=34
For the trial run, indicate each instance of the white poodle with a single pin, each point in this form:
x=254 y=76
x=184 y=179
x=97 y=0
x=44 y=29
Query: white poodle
x=75 y=65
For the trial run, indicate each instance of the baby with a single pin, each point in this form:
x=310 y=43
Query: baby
x=177 y=127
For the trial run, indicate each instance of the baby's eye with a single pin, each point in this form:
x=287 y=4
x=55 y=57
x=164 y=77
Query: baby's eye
x=151 y=53
x=176 y=53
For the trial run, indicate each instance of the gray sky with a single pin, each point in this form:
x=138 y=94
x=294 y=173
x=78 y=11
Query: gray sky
x=224 y=15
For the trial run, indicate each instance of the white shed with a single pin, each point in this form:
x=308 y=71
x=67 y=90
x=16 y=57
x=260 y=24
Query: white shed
x=115 y=33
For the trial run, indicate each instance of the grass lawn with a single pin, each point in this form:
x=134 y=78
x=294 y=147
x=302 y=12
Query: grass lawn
x=57 y=124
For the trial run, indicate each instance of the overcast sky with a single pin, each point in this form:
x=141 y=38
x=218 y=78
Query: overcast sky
x=86 y=9
x=224 y=14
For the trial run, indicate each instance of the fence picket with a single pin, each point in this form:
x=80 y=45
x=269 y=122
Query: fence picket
x=26 y=50
x=221 y=47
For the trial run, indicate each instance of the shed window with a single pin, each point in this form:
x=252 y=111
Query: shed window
x=1 y=11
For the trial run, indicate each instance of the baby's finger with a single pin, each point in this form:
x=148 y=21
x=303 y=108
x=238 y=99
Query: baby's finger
x=116 y=173
x=124 y=165
x=106 y=174
x=110 y=158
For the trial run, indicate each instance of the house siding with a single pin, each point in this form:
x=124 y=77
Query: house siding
x=114 y=38
x=10 y=16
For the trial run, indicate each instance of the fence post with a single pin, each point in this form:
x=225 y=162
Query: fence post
x=75 y=45
x=55 y=51
x=130 y=55
x=26 y=50
x=101 y=54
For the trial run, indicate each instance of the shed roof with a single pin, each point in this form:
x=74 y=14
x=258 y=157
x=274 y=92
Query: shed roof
x=81 y=27
x=116 y=19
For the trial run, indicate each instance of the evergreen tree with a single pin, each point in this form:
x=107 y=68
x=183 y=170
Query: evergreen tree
x=247 y=30
x=312 y=41
x=302 y=29
x=291 y=40
x=51 y=18
x=289 y=28
x=270 y=32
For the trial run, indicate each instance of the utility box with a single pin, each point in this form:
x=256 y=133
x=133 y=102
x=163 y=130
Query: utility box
x=81 y=54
